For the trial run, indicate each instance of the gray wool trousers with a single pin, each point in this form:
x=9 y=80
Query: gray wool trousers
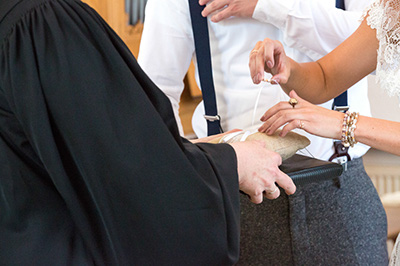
x=335 y=222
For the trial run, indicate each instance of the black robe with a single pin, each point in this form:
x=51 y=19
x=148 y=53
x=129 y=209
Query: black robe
x=92 y=167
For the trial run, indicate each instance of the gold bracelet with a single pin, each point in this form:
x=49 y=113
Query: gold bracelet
x=345 y=129
x=348 y=127
x=352 y=128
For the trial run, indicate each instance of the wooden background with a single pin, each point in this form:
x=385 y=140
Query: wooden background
x=113 y=11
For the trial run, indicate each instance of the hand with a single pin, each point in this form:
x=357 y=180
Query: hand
x=269 y=56
x=258 y=171
x=227 y=8
x=313 y=119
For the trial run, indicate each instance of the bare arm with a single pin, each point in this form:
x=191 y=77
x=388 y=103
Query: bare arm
x=377 y=133
x=324 y=79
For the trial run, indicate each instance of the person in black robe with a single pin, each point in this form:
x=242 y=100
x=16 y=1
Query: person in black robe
x=92 y=168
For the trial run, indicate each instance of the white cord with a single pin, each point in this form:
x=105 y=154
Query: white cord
x=256 y=105
x=301 y=151
x=245 y=135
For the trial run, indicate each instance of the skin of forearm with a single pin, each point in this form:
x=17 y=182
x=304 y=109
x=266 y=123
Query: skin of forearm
x=308 y=80
x=378 y=133
x=334 y=73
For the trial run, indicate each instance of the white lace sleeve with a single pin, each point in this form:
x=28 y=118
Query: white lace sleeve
x=395 y=257
x=384 y=16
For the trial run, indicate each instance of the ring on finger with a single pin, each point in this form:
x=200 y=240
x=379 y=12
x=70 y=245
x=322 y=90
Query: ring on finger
x=271 y=191
x=301 y=124
x=293 y=102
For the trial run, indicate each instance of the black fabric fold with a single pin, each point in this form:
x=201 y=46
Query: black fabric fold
x=93 y=170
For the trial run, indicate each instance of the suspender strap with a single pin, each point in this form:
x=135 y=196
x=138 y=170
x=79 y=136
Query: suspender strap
x=340 y=103
x=340 y=4
x=202 y=46
x=341 y=100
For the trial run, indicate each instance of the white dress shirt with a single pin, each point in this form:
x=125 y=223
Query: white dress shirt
x=311 y=28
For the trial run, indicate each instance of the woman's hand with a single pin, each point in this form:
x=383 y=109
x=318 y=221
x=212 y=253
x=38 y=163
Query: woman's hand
x=258 y=171
x=313 y=119
x=269 y=56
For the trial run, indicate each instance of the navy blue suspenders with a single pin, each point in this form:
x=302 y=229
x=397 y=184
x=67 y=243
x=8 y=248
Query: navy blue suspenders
x=340 y=103
x=202 y=46
x=341 y=100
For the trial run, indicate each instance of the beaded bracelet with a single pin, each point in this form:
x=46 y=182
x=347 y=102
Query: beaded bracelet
x=344 y=129
x=352 y=128
x=348 y=128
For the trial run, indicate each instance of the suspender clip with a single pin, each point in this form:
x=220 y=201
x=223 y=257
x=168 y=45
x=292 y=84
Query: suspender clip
x=342 y=109
x=343 y=162
x=341 y=155
x=212 y=118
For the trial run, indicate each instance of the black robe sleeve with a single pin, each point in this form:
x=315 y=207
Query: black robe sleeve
x=93 y=170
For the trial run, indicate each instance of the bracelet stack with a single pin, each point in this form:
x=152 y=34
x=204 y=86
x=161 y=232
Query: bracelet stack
x=348 y=128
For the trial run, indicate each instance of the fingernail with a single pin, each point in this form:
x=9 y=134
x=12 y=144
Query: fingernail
x=269 y=64
x=262 y=119
x=259 y=77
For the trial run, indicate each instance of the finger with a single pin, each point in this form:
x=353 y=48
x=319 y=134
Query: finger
x=269 y=54
x=276 y=117
x=253 y=62
x=274 y=109
x=257 y=198
x=263 y=62
x=285 y=105
x=292 y=125
x=285 y=182
x=281 y=118
x=213 y=7
x=272 y=193
x=222 y=14
x=203 y=2
x=293 y=94
x=281 y=69
x=280 y=66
